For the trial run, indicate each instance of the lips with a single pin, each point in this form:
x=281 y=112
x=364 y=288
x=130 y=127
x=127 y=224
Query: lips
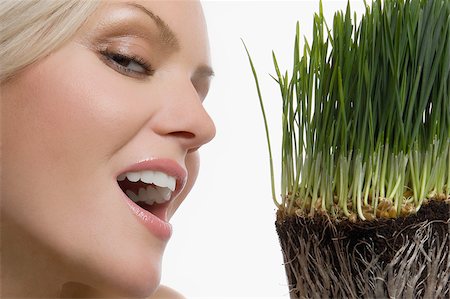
x=148 y=187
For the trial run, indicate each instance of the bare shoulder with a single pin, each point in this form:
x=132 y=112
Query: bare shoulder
x=164 y=292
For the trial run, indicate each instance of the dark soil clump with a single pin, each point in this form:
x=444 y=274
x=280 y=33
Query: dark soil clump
x=406 y=256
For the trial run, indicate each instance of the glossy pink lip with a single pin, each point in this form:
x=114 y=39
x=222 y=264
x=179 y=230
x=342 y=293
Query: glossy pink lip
x=157 y=225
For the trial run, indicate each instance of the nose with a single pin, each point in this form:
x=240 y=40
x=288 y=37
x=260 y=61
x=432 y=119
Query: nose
x=184 y=117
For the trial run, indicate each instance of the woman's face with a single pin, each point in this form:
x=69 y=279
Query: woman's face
x=124 y=96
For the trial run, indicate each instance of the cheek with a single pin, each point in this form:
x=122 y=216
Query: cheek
x=76 y=110
x=61 y=124
x=67 y=113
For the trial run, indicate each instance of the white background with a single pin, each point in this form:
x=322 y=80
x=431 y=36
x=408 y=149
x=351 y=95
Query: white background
x=224 y=243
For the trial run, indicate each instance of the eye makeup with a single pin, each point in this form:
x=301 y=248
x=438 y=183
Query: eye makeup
x=127 y=55
x=132 y=20
x=136 y=43
x=129 y=41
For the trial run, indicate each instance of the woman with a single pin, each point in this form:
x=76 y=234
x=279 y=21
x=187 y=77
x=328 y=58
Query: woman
x=102 y=118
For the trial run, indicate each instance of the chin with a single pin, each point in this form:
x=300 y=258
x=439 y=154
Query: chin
x=127 y=275
x=143 y=286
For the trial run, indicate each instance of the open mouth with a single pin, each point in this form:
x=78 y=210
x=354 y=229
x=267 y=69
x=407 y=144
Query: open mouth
x=151 y=190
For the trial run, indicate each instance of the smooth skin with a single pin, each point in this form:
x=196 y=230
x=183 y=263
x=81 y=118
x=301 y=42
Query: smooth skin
x=128 y=87
x=77 y=290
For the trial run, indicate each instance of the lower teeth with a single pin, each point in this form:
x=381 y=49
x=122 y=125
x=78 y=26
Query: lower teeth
x=150 y=195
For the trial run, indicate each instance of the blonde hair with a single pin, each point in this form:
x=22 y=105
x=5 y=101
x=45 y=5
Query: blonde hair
x=33 y=29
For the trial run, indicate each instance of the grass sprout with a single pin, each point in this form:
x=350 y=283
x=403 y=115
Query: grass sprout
x=366 y=113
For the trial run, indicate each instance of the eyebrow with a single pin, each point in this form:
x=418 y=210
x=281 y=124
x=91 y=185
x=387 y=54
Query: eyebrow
x=167 y=36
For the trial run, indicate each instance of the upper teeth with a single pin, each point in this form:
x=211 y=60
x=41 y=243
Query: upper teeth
x=157 y=178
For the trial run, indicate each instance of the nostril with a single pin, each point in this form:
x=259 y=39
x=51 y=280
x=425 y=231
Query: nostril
x=193 y=149
x=183 y=134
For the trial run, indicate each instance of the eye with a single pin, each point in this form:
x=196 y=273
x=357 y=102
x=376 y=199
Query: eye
x=129 y=65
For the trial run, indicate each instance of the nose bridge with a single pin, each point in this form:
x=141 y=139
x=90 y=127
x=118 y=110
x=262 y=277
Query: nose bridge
x=184 y=117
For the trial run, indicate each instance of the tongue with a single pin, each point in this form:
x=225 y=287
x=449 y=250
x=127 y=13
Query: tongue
x=159 y=210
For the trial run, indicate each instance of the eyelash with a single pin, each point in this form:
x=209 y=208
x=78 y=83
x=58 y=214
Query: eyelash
x=111 y=57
